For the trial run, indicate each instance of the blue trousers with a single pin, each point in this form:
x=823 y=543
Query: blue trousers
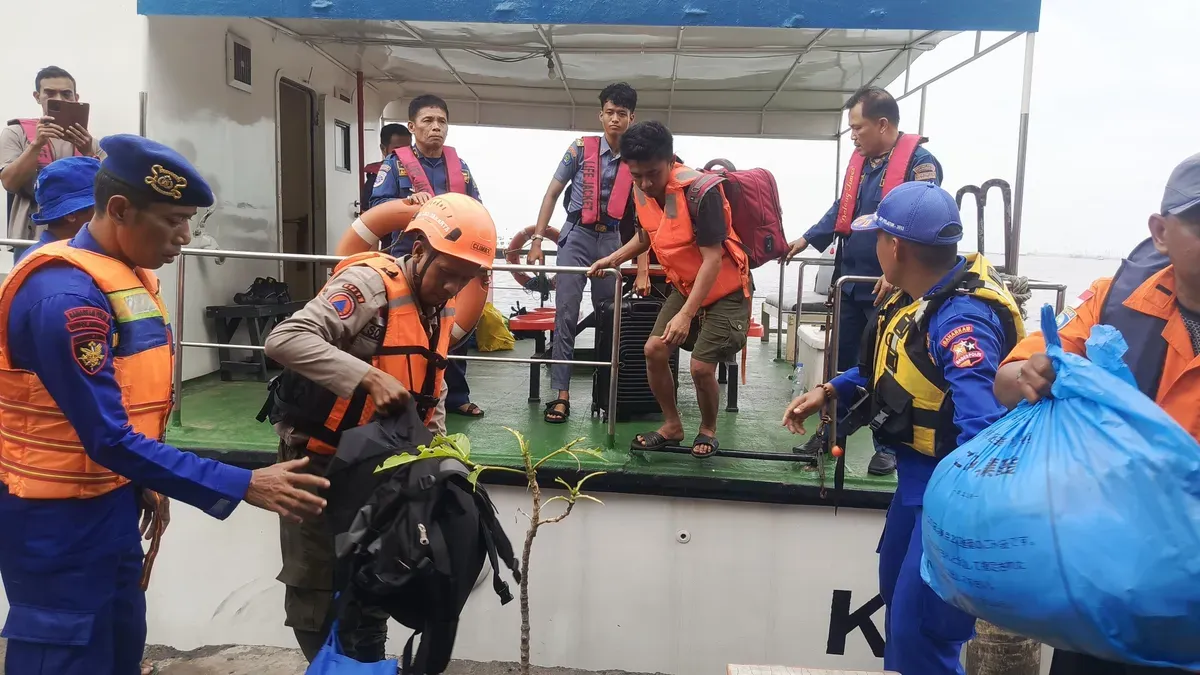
x=577 y=247
x=76 y=606
x=924 y=635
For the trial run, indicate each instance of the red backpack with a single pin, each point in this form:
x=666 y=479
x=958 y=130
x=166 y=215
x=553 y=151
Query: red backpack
x=754 y=205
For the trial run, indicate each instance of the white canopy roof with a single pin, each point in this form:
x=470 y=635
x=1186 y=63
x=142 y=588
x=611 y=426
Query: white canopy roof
x=727 y=81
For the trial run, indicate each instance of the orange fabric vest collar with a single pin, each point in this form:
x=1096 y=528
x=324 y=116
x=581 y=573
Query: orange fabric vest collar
x=41 y=456
x=673 y=239
x=406 y=351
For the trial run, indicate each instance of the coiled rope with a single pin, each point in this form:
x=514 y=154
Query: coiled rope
x=1019 y=287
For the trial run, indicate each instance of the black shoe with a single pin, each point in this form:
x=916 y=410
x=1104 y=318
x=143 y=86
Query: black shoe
x=254 y=294
x=882 y=464
x=809 y=450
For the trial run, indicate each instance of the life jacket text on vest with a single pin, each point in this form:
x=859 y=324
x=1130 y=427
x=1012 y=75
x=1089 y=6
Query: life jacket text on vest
x=405 y=352
x=674 y=240
x=456 y=181
x=46 y=155
x=41 y=456
x=899 y=164
x=910 y=402
x=1147 y=353
x=618 y=196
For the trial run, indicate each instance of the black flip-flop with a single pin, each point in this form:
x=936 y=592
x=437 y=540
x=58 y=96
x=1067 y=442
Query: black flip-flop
x=652 y=441
x=553 y=416
x=471 y=411
x=705 y=439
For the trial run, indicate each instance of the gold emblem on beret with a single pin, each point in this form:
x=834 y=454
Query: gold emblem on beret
x=165 y=182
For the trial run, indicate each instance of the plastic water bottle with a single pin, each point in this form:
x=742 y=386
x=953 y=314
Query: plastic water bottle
x=798 y=385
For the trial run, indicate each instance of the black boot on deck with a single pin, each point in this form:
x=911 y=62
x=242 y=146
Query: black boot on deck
x=882 y=464
x=808 y=450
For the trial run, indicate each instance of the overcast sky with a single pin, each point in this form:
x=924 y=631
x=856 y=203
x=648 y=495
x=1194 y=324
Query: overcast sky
x=1115 y=106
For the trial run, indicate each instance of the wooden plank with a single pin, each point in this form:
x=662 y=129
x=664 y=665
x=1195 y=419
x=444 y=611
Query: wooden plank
x=786 y=670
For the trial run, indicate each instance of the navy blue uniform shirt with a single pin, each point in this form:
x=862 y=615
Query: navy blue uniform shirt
x=393 y=183
x=966 y=340
x=40 y=342
x=46 y=238
x=858 y=253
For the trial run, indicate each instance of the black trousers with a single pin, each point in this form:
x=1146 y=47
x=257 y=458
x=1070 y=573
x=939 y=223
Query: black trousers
x=1071 y=663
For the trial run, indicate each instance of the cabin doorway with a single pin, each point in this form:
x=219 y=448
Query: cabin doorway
x=301 y=188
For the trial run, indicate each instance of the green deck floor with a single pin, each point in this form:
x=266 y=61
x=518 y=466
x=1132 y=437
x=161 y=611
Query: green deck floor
x=219 y=416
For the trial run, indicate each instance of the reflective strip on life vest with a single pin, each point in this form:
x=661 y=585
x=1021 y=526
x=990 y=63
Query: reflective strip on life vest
x=133 y=304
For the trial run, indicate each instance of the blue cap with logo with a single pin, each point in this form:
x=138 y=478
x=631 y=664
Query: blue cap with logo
x=64 y=187
x=922 y=213
x=1183 y=187
x=160 y=173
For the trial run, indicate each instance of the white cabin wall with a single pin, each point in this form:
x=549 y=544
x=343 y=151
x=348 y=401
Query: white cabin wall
x=230 y=136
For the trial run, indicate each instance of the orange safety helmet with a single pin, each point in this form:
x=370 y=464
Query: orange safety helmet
x=459 y=226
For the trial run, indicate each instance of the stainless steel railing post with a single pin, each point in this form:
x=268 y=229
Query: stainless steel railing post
x=832 y=354
x=177 y=384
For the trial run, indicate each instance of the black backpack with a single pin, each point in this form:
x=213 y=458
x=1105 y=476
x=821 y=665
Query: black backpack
x=412 y=539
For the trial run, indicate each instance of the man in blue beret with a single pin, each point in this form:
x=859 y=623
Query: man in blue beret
x=64 y=194
x=86 y=370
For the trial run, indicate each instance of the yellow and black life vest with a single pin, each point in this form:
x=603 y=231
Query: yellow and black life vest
x=910 y=403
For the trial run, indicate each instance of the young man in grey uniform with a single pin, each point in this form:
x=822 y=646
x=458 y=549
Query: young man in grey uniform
x=23 y=153
x=600 y=200
x=330 y=341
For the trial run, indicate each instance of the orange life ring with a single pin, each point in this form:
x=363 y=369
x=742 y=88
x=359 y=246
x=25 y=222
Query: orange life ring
x=468 y=307
x=512 y=255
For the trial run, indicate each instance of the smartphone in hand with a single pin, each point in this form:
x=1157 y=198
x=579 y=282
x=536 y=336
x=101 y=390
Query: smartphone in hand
x=67 y=113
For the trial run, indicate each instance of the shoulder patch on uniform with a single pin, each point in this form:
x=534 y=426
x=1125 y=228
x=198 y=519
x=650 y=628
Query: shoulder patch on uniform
x=88 y=327
x=1065 y=317
x=966 y=353
x=382 y=175
x=579 y=142
x=343 y=303
x=466 y=176
x=956 y=333
x=353 y=290
x=401 y=172
x=1086 y=295
x=925 y=172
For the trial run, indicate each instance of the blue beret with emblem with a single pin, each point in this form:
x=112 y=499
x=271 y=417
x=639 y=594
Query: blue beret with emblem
x=159 y=173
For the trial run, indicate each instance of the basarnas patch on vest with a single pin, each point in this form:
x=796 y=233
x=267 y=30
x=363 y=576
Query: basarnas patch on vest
x=382 y=175
x=1065 y=317
x=966 y=353
x=89 y=327
x=343 y=303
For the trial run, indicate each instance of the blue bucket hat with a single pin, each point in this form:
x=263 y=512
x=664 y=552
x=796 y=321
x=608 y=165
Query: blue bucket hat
x=64 y=187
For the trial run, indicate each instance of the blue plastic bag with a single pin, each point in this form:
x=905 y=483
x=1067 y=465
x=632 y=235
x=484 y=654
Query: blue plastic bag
x=1076 y=520
x=331 y=661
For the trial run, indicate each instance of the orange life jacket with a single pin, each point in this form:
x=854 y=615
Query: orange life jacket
x=899 y=163
x=41 y=456
x=405 y=353
x=674 y=240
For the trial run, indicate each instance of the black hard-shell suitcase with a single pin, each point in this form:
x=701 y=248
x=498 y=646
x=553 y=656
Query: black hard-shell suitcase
x=634 y=398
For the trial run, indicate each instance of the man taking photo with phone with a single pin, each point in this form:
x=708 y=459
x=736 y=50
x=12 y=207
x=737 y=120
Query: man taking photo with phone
x=29 y=145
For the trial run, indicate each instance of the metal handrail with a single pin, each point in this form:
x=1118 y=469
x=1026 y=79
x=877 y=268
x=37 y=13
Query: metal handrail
x=831 y=352
x=181 y=273
x=783 y=263
x=1060 y=293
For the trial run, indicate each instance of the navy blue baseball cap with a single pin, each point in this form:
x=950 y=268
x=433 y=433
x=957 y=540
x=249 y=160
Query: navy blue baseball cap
x=64 y=187
x=1183 y=187
x=158 y=172
x=922 y=213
